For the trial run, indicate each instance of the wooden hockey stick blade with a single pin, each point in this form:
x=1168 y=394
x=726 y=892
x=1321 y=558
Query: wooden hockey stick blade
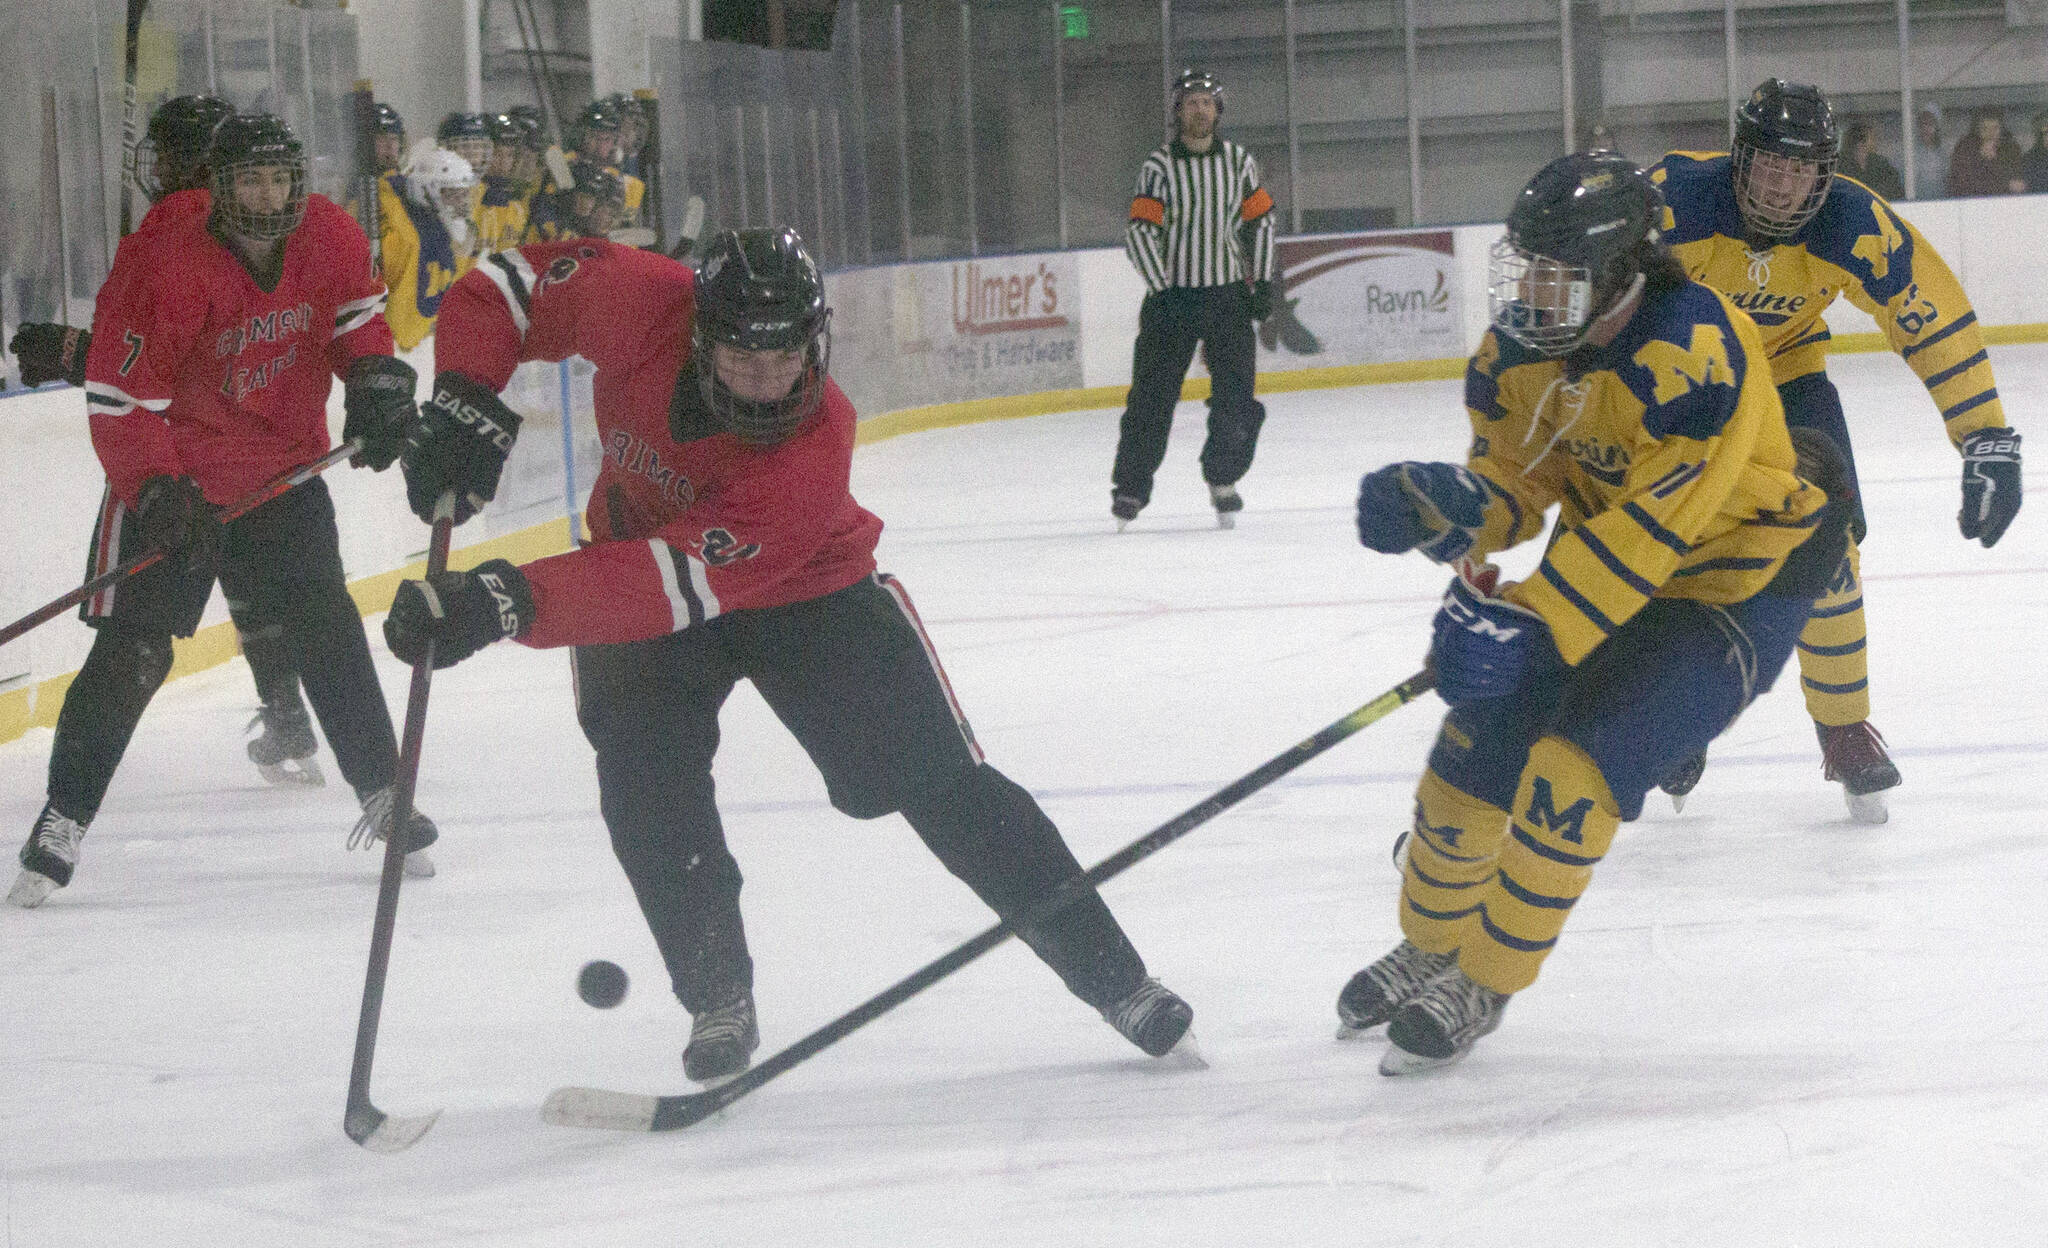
x=597 y=1108
x=693 y=218
x=558 y=168
x=633 y=236
x=383 y=1133
x=627 y=1111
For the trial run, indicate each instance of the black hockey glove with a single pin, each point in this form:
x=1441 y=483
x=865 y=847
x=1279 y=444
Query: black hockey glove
x=378 y=401
x=51 y=353
x=1991 y=484
x=1262 y=300
x=460 y=443
x=459 y=612
x=177 y=520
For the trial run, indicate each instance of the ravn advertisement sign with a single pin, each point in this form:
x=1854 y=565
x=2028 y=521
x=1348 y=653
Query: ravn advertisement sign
x=1363 y=299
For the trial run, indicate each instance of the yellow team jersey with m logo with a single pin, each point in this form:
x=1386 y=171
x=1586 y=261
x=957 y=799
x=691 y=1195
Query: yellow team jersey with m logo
x=1665 y=451
x=1857 y=246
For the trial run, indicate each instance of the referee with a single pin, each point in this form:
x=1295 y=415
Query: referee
x=1201 y=235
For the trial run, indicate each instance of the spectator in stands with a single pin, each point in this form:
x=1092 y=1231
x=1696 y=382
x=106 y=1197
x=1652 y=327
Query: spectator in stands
x=1864 y=164
x=2034 y=165
x=1986 y=160
x=1930 y=156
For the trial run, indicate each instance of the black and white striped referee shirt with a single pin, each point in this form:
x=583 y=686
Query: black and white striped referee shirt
x=1200 y=219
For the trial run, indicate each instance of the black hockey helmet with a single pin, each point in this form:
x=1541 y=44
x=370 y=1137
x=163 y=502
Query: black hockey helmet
x=591 y=208
x=388 y=121
x=1786 y=146
x=172 y=155
x=1574 y=245
x=759 y=290
x=599 y=115
x=252 y=141
x=523 y=122
x=463 y=126
x=1193 y=80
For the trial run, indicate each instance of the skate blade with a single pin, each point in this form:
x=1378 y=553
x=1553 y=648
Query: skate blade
x=1678 y=803
x=1184 y=1055
x=418 y=866
x=294 y=773
x=1347 y=1033
x=1398 y=1062
x=1867 y=807
x=1121 y=525
x=32 y=889
x=1226 y=520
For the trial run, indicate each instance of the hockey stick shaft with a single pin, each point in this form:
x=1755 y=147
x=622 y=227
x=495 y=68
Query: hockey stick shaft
x=131 y=57
x=650 y=164
x=669 y=1113
x=250 y=502
x=364 y=1122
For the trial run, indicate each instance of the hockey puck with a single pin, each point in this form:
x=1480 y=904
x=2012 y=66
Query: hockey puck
x=602 y=984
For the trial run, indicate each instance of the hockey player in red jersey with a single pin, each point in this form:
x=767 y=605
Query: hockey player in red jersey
x=727 y=547
x=216 y=339
x=171 y=165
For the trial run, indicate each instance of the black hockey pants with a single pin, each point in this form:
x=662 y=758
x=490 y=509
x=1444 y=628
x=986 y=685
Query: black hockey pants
x=1170 y=323
x=285 y=558
x=854 y=678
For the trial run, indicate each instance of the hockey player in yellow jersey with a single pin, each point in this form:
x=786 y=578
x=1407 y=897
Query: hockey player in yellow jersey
x=1690 y=542
x=1775 y=229
x=429 y=238
x=501 y=195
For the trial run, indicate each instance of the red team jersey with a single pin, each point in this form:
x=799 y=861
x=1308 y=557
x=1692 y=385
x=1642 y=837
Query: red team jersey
x=684 y=529
x=197 y=370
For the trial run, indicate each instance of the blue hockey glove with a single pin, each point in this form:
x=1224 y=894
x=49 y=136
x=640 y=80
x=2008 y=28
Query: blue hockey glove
x=1436 y=508
x=1486 y=647
x=1991 y=484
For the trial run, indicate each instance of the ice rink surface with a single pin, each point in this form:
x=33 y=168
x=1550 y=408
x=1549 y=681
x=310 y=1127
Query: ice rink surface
x=1765 y=1025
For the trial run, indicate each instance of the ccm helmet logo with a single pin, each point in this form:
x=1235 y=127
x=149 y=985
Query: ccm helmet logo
x=468 y=414
x=1473 y=622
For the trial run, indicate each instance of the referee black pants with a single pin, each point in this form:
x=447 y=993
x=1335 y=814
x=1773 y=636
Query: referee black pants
x=853 y=676
x=1170 y=323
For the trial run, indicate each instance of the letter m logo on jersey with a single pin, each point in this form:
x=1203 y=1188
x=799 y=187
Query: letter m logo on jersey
x=1544 y=816
x=1680 y=370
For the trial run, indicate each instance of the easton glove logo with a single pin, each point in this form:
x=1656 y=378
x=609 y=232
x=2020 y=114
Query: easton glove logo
x=468 y=414
x=509 y=622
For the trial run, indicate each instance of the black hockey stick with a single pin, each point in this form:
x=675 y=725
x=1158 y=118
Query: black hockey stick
x=626 y=1111
x=650 y=164
x=368 y=174
x=131 y=57
x=365 y=1123
x=246 y=504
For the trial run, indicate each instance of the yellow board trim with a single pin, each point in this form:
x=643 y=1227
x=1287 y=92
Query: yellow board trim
x=36 y=706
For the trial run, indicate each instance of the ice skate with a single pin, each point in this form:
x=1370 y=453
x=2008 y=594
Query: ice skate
x=1125 y=509
x=722 y=1042
x=1375 y=993
x=1228 y=504
x=375 y=825
x=1154 y=1018
x=1440 y=1026
x=47 y=859
x=1854 y=755
x=286 y=752
x=1680 y=784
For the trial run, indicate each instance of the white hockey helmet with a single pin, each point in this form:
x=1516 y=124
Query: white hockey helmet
x=439 y=179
